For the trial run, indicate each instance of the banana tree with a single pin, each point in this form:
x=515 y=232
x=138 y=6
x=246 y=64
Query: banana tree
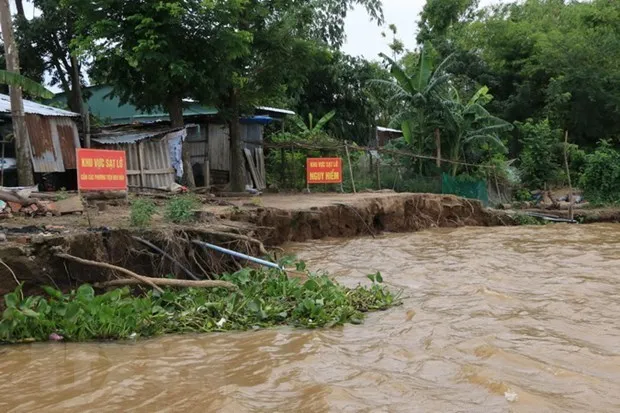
x=471 y=124
x=28 y=86
x=424 y=109
x=311 y=129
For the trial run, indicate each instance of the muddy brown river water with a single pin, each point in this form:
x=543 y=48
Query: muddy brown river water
x=494 y=320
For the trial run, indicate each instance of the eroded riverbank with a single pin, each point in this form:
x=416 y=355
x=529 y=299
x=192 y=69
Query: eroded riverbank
x=488 y=311
x=272 y=220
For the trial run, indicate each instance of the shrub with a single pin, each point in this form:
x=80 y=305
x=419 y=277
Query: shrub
x=142 y=211
x=180 y=209
x=600 y=180
x=539 y=160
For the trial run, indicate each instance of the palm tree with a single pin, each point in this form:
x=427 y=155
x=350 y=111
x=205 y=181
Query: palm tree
x=422 y=99
x=470 y=123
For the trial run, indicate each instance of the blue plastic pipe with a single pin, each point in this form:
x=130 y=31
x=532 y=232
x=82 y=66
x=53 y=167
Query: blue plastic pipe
x=238 y=254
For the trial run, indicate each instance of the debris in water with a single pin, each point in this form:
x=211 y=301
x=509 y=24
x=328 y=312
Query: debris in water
x=511 y=396
x=56 y=337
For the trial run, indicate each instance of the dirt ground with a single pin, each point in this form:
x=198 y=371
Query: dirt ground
x=116 y=214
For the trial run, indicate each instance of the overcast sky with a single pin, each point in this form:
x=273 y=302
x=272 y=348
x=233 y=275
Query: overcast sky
x=364 y=37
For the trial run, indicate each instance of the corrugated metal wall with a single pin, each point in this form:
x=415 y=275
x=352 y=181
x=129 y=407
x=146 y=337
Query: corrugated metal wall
x=69 y=140
x=52 y=142
x=148 y=163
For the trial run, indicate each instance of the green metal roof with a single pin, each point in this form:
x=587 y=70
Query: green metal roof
x=110 y=111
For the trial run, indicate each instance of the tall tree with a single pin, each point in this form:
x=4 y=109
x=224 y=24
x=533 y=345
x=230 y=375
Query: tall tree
x=154 y=54
x=336 y=81
x=281 y=38
x=49 y=36
x=24 y=165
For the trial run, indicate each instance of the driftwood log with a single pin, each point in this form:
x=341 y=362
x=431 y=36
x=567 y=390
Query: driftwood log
x=102 y=196
x=171 y=282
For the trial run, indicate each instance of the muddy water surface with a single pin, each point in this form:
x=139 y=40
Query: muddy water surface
x=494 y=320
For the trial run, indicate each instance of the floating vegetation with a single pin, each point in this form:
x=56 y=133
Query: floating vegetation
x=265 y=298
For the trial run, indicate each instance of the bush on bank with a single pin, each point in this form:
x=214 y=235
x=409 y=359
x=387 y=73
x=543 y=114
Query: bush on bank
x=265 y=298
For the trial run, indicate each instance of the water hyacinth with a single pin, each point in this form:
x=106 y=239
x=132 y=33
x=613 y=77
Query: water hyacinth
x=265 y=298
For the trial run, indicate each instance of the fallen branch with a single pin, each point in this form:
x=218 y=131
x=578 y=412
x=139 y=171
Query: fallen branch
x=171 y=282
x=142 y=279
x=165 y=254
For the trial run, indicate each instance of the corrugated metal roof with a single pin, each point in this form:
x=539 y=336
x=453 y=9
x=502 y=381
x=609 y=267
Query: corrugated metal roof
x=34 y=108
x=129 y=135
x=382 y=129
x=276 y=110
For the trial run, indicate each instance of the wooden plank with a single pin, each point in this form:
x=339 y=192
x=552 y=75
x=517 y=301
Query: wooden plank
x=261 y=163
x=141 y=164
x=259 y=175
x=159 y=171
x=206 y=173
x=69 y=205
x=253 y=173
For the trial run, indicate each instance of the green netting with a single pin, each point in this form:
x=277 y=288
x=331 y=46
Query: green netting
x=465 y=187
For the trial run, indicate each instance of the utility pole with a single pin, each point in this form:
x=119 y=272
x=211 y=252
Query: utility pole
x=20 y=132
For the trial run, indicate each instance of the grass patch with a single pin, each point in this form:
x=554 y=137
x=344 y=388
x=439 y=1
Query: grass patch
x=265 y=298
x=141 y=214
x=180 y=209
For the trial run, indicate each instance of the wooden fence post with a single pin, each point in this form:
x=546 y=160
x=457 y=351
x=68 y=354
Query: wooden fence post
x=346 y=149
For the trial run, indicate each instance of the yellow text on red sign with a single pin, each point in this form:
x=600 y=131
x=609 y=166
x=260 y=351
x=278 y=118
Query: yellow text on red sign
x=101 y=170
x=324 y=170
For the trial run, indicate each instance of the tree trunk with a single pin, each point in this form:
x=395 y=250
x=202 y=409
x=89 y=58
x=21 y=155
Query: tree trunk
x=237 y=164
x=438 y=146
x=175 y=111
x=22 y=146
x=19 y=5
x=78 y=101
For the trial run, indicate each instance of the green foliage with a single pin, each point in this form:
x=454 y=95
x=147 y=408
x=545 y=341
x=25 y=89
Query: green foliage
x=564 y=68
x=141 y=214
x=600 y=181
x=181 y=209
x=539 y=161
x=264 y=299
x=524 y=219
x=28 y=86
x=522 y=195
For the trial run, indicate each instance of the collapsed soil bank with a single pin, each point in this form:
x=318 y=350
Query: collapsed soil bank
x=34 y=262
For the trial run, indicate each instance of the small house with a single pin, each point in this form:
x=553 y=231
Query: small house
x=384 y=135
x=52 y=133
x=205 y=132
x=153 y=152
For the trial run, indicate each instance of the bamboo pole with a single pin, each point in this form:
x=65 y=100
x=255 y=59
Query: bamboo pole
x=346 y=149
x=570 y=185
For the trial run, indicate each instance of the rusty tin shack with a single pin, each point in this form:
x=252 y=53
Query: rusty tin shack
x=52 y=132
